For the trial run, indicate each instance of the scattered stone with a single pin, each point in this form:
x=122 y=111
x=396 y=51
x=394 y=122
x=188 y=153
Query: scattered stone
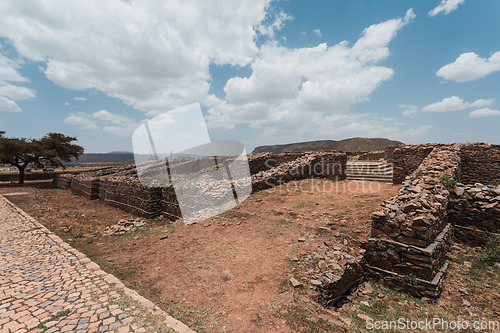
x=294 y=282
x=316 y=283
x=362 y=316
x=226 y=275
x=463 y=290
x=254 y=318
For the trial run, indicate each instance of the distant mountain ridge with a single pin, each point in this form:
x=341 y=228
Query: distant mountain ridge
x=348 y=145
x=113 y=157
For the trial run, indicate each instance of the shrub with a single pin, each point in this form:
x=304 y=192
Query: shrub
x=448 y=183
x=491 y=251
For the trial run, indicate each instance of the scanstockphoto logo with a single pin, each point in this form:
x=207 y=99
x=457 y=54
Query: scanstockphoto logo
x=174 y=150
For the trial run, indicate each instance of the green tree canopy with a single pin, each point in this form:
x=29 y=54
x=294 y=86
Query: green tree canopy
x=53 y=149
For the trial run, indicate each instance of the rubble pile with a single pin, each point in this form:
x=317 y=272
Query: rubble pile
x=123 y=226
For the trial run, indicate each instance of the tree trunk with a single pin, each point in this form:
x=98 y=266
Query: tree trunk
x=21 y=173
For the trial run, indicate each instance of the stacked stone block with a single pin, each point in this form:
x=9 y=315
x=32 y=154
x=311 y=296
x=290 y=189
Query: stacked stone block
x=87 y=187
x=63 y=181
x=327 y=165
x=480 y=163
x=145 y=202
x=406 y=159
x=475 y=212
x=411 y=234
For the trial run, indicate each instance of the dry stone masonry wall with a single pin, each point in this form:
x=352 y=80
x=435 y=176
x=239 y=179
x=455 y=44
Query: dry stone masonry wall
x=480 y=164
x=120 y=187
x=412 y=232
x=329 y=165
x=473 y=210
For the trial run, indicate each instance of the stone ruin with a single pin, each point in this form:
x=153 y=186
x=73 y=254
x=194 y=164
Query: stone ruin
x=410 y=234
x=448 y=190
x=120 y=186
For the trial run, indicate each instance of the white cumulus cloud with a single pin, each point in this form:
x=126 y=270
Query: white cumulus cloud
x=10 y=91
x=469 y=67
x=318 y=32
x=290 y=87
x=80 y=99
x=112 y=123
x=409 y=110
x=446 y=6
x=150 y=54
x=8 y=105
x=82 y=120
x=455 y=103
x=486 y=112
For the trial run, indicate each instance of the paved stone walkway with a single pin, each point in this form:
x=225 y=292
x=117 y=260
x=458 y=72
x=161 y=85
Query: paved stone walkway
x=47 y=286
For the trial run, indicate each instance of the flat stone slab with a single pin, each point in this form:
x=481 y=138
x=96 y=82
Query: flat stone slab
x=47 y=286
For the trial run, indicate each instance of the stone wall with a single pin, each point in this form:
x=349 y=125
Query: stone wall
x=411 y=234
x=328 y=165
x=87 y=187
x=120 y=187
x=371 y=156
x=475 y=211
x=406 y=159
x=266 y=161
x=169 y=205
x=480 y=163
x=145 y=202
x=63 y=181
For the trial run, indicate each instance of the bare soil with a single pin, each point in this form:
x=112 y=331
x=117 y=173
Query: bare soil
x=230 y=273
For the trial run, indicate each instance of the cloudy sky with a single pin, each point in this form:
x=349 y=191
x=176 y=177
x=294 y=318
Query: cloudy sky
x=263 y=71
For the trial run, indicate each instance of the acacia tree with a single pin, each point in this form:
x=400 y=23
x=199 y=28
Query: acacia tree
x=53 y=149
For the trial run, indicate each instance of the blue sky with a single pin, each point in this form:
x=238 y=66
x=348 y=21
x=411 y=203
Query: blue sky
x=264 y=72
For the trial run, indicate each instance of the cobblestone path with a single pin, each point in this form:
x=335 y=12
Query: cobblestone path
x=47 y=286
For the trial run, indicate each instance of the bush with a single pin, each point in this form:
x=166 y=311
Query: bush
x=491 y=251
x=449 y=183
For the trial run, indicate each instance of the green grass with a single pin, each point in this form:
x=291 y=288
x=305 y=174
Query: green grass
x=303 y=204
x=490 y=254
x=301 y=319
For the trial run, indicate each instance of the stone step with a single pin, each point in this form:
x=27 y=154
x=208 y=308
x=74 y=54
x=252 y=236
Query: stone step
x=369 y=175
x=370 y=179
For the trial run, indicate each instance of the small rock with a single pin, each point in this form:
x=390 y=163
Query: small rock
x=463 y=290
x=317 y=283
x=226 y=276
x=302 y=239
x=294 y=282
x=254 y=318
x=362 y=316
x=466 y=303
